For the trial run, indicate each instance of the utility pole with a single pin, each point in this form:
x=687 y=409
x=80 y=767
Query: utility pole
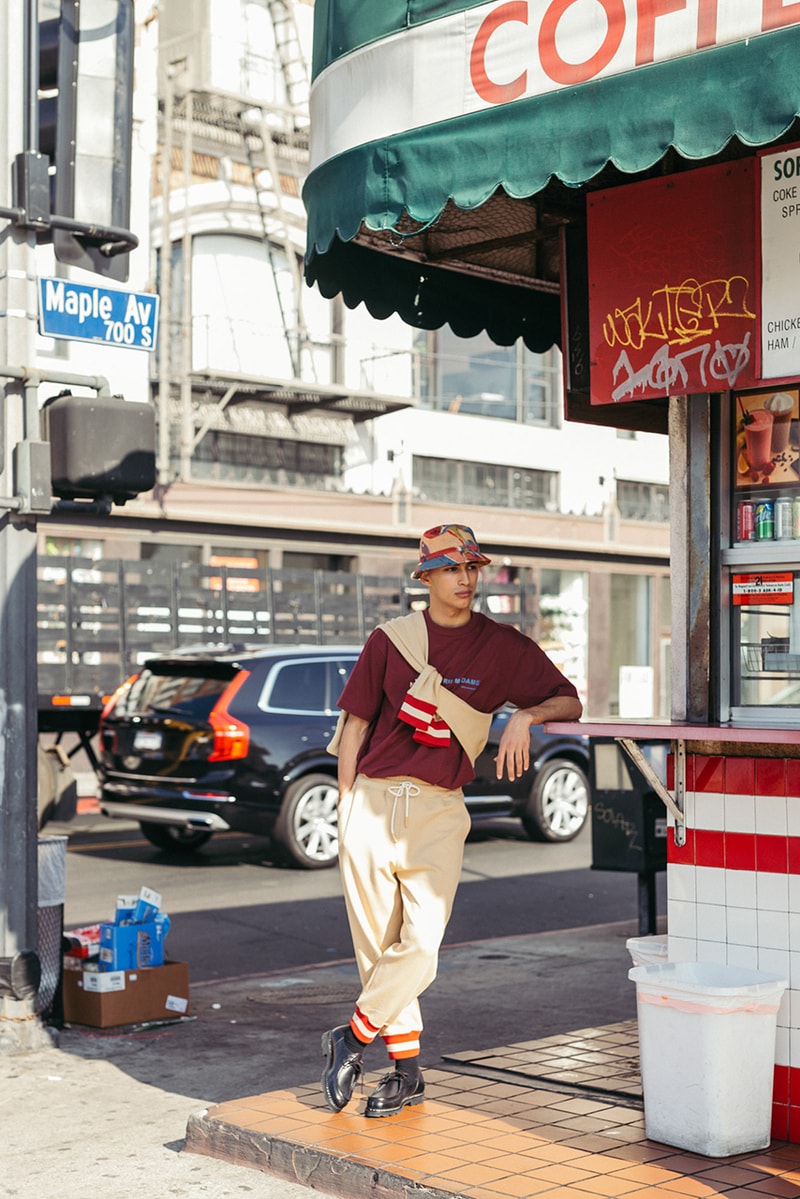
x=19 y=1029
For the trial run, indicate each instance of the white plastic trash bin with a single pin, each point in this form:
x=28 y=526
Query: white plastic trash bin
x=707 y=1051
x=648 y=951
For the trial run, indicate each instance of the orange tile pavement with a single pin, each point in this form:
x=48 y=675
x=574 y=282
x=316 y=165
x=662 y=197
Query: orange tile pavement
x=539 y=1121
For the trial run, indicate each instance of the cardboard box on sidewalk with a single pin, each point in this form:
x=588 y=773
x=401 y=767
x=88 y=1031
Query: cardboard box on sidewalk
x=133 y=946
x=159 y=993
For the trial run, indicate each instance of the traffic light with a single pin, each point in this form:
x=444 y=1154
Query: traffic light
x=85 y=130
x=102 y=447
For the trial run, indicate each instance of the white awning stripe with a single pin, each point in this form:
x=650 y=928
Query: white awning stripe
x=507 y=50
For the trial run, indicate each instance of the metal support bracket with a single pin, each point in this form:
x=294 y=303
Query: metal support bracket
x=674 y=805
x=679 y=755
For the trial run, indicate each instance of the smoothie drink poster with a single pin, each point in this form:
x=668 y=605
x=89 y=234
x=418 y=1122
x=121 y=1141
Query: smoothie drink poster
x=767 y=439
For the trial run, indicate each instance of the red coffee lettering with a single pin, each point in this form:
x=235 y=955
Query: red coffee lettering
x=497 y=93
x=570 y=73
x=775 y=14
x=648 y=13
x=706 y=23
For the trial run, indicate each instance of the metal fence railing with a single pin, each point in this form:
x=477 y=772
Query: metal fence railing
x=99 y=620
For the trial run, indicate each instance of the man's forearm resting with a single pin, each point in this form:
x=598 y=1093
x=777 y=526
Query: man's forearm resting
x=560 y=707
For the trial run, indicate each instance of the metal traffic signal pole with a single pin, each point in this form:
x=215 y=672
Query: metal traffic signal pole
x=19 y=1029
x=92 y=173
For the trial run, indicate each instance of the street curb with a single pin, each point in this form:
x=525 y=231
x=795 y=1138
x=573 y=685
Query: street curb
x=307 y=1165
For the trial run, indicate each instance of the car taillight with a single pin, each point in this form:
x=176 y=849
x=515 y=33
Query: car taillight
x=231 y=736
x=112 y=702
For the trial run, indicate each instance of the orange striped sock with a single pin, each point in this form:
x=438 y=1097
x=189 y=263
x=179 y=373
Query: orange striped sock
x=362 y=1028
x=402 y=1045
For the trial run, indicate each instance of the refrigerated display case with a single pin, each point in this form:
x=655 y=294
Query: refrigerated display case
x=761 y=557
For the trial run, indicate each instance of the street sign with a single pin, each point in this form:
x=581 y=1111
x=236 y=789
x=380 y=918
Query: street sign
x=76 y=312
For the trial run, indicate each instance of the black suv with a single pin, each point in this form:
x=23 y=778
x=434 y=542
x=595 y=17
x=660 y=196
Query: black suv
x=223 y=738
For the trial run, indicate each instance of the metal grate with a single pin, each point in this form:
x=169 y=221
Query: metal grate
x=51 y=931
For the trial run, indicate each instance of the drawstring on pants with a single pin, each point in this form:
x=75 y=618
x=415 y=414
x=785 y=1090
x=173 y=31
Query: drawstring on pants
x=404 y=790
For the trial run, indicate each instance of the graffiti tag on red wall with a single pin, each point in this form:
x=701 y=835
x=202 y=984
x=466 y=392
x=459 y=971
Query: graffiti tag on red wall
x=672 y=285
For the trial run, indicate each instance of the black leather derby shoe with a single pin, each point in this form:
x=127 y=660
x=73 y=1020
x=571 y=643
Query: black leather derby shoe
x=342 y=1069
x=394 y=1092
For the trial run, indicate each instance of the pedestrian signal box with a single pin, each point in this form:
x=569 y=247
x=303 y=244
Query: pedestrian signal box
x=101 y=447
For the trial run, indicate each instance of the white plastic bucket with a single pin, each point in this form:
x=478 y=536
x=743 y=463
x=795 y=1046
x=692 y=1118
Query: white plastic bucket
x=707 y=1051
x=648 y=951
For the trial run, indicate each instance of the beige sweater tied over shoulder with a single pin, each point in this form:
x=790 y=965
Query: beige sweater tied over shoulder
x=432 y=710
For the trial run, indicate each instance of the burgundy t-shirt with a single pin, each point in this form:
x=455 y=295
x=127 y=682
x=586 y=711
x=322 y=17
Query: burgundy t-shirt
x=484 y=663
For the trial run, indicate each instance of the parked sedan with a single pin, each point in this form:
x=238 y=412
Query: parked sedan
x=223 y=738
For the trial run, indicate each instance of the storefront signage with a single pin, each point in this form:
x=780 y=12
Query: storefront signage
x=537 y=47
x=672 y=285
x=763 y=589
x=479 y=56
x=780 y=253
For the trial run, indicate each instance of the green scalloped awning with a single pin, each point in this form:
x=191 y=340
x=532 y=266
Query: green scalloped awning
x=386 y=190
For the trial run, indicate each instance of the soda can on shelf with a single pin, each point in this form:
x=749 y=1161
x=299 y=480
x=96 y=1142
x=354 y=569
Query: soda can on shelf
x=765 y=520
x=783 y=518
x=746 y=521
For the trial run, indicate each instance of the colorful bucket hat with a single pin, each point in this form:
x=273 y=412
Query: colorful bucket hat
x=448 y=545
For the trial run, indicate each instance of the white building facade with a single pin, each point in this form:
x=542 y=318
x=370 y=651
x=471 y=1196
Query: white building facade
x=296 y=432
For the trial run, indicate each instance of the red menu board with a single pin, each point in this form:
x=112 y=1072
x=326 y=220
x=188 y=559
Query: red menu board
x=672 y=285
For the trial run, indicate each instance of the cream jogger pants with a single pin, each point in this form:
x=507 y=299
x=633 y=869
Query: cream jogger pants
x=401 y=845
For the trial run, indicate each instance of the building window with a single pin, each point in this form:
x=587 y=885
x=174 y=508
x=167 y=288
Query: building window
x=563 y=631
x=243 y=307
x=441 y=480
x=296 y=560
x=631 y=674
x=231 y=456
x=161 y=552
x=475 y=377
x=642 y=501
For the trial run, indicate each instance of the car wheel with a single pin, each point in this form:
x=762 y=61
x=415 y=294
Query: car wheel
x=307 y=828
x=173 y=837
x=559 y=802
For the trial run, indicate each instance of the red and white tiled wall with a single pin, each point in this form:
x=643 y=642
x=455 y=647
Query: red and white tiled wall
x=734 y=890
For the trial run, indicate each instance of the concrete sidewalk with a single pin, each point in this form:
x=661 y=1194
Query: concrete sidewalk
x=555 y=1112
x=559 y=1118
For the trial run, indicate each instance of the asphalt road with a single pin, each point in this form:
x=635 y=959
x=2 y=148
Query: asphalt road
x=535 y=946
x=269 y=941
x=234 y=913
